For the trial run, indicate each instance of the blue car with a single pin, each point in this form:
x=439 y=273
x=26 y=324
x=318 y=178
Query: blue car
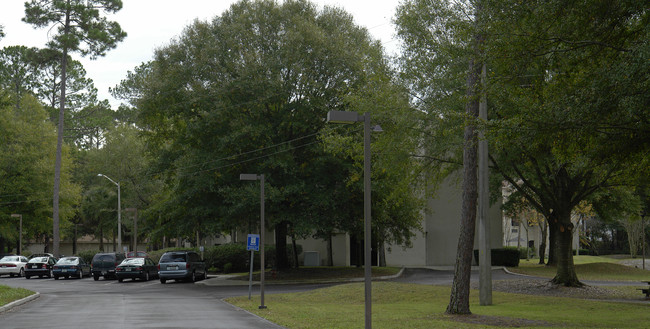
x=68 y=267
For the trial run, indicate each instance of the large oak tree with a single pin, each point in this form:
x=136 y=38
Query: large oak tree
x=248 y=92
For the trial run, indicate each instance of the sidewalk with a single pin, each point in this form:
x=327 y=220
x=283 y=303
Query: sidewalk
x=227 y=280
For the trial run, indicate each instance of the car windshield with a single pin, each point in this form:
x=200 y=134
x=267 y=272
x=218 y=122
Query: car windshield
x=38 y=260
x=68 y=261
x=168 y=258
x=133 y=261
x=9 y=259
x=105 y=258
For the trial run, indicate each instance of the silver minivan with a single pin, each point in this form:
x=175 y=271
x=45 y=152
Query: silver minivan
x=181 y=265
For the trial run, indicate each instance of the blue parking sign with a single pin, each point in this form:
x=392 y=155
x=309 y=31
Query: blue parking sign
x=253 y=242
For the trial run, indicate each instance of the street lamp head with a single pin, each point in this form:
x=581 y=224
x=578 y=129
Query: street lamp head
x=99 y=175
x=343 y=117
x=16 y=215
x=248 y=177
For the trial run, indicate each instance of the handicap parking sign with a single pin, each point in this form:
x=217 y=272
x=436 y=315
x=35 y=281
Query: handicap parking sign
x=253 y=242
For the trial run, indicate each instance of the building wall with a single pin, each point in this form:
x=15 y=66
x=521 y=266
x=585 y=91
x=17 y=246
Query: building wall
x=340 y=249
x=438 y=244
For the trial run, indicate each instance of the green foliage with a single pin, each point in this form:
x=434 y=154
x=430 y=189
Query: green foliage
x=248 y=92
x=77 y=22
x=26 y=175
x=228 y=257
x=87 y=255
x=564 y=116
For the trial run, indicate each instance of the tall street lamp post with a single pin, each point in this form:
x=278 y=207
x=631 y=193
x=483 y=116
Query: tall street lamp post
x=261 y=179
x=119 y=213
x=347 y=118
x=20 y=233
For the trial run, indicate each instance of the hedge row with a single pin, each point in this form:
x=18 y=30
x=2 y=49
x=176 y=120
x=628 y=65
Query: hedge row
x=507 y=256
x=232 y=257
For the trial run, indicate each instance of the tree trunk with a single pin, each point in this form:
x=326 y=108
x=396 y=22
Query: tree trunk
x=566 y=274
x=46 y=249
x=59 y=147
x=282 y=259
x=459 y=300
x=101 y=239
x=542 y=245
x=295 y=251
x=74 y=241
x=552 y=244
x=330 y=257
x=382 y=254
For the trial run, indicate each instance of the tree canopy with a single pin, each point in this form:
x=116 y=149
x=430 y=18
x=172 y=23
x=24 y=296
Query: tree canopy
x=565 y=87
x=248 y=92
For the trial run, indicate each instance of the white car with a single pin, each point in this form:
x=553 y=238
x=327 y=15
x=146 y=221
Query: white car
x=13 y=265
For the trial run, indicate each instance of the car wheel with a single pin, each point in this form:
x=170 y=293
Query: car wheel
x=50 y=274
x=56 y=277
x=11 y=275
x=27 y=277
x=120 y=280
x=96 y=277
x=81 y=274
x=193 y=277
x=163 y=281
x=22 y=272
x=146 y=276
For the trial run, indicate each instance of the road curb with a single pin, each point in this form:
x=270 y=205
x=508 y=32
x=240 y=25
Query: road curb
x=19 y=302
x=221 y=280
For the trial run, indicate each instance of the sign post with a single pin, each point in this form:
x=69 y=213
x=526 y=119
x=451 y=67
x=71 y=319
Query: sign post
x=252 y=245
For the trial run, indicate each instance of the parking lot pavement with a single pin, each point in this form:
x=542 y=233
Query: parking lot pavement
x=131 y=304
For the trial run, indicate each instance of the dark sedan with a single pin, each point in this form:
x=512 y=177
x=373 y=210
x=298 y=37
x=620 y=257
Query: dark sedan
x=40 y=266
x=136 y=268
x=71 y=267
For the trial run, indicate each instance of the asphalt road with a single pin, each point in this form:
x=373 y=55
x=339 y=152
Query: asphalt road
x=75 y=303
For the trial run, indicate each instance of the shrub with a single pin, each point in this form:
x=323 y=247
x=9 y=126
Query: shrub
x=87 y=255
x=583 y=252
x=507 y=256
x=233 y=253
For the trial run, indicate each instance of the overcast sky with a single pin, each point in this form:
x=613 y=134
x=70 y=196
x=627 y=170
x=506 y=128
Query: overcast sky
x=151 y=24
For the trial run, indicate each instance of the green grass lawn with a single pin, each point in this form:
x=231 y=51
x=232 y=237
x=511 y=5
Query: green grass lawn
x=8 y=295
x=399 y=305
x=587 y=268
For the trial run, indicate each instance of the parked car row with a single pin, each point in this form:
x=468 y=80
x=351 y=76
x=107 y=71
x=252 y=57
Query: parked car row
x=173 y=265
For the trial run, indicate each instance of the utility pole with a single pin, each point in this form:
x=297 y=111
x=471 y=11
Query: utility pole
x=485 y=257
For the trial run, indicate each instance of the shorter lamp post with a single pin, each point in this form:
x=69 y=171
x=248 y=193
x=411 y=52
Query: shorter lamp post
x=352 y=117
x=261 y=179
x=20 y=233
x=119 y=213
